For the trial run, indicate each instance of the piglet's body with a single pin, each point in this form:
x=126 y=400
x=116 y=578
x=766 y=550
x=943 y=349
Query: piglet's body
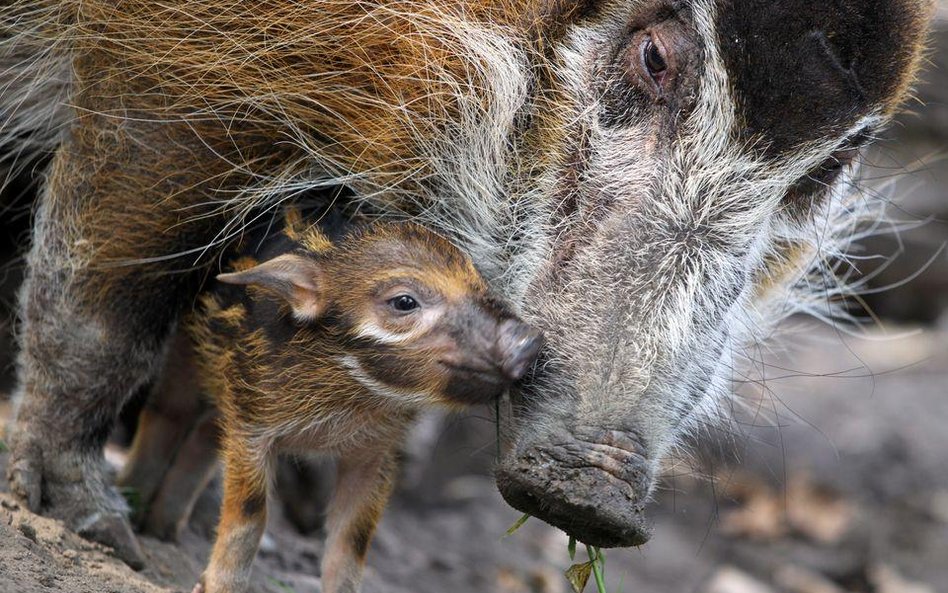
x=334 y=346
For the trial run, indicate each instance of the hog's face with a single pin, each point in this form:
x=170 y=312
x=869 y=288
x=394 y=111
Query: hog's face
x=702 y=150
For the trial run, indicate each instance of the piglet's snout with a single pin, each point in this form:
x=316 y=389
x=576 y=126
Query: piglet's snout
x=517 y=347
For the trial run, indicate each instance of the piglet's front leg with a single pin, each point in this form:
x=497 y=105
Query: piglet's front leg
x=243 y=518
x=363 y=487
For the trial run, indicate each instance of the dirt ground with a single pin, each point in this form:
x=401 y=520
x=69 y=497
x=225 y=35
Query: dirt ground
x=831 y=480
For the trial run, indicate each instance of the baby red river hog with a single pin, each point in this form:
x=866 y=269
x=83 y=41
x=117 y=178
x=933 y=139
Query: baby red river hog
x=331 y=345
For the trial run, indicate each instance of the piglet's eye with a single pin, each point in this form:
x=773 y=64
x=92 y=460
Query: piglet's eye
x=403 y=303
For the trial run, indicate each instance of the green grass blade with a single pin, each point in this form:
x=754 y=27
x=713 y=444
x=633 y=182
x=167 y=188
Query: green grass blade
x=281 y=585
x=595 y=558
x=517 y=525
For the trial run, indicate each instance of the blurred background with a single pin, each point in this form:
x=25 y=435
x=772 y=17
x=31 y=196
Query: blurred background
x=832 y=477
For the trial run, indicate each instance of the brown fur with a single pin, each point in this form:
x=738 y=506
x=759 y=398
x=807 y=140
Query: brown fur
x=369 y=106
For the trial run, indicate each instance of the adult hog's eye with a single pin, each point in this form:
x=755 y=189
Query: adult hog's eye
x=403 y=303
x=654 y=60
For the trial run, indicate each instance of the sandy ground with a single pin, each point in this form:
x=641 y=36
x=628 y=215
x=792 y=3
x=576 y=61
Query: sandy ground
x=831 y=480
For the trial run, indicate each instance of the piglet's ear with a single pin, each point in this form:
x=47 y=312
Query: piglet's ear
x=295 y=278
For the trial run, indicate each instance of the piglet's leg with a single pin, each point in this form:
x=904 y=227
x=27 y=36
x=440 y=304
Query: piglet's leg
x=362 y=490
x=173 y=408
x=243 y=517
x=193 y=468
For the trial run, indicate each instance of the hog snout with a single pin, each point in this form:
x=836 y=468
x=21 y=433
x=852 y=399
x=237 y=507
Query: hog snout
x=591 y=483
x=489 y=359
x=517 y=347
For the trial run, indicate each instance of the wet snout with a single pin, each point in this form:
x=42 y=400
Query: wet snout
x=517 y=347
x=592 y=483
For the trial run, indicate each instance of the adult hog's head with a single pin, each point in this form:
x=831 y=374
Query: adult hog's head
x=703 y=150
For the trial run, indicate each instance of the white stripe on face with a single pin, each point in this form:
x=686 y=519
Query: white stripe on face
x=380 y=389
x=369 y=330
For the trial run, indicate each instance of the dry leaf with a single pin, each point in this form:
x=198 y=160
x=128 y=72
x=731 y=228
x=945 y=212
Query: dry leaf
x=510 y=581
x=544 y=580
x=808 y=508
x=760 y=514
x=578 y=576
x=888 y=580
x=817 y=512
x=796 y=579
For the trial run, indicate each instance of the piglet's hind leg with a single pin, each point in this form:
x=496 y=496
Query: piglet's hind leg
x=173 y=408
x=185 y=481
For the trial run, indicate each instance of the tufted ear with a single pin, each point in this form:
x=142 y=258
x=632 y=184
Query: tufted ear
x=295 y=278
